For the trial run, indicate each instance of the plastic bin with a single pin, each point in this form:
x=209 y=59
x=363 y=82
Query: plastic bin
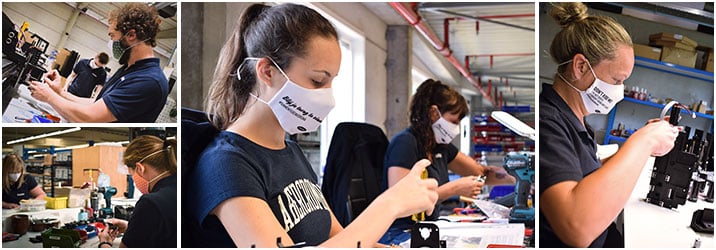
x=32 y=205
x=64 y=238
x=56 y=203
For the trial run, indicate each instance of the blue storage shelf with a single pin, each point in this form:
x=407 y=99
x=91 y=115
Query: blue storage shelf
x=661 y=106
x=674 y=69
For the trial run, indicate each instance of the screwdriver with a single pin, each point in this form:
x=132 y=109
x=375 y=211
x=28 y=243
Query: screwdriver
x=421 y=216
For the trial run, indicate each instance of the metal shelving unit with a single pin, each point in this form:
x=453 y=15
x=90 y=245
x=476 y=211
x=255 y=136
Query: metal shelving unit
x=662 y=67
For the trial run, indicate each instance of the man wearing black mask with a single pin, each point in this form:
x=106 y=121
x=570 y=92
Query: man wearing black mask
x=137 y=92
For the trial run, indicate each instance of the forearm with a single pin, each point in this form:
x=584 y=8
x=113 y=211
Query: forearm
x=446 y=191
x=69 y=110
x=76 y=99
x=370 y=225
x=597 y=199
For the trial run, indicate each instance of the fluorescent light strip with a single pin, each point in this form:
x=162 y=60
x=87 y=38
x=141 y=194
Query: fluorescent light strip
x=116 y=143
x=35 y=137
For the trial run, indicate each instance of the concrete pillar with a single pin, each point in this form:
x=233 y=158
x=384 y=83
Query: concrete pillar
x=192 y=18
x=70 y=23
x=398 y=67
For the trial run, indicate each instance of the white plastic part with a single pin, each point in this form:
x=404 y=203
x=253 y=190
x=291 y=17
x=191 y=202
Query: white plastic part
x=514 y=124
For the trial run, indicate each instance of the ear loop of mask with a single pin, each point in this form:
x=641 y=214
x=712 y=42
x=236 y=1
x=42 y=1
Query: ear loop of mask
x=238 y=73
x=565 y=80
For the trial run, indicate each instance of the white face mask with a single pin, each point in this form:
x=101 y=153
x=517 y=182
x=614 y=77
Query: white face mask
x=298 y=109
x=14 y=176
x=599 y=98
x=444 y=130
x=93 y=65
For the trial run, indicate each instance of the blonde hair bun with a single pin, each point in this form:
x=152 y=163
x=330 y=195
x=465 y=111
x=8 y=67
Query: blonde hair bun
x=567 y=14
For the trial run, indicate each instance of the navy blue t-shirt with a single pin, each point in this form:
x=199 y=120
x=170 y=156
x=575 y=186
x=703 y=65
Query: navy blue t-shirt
x=87 y=78
x=154 y=220
x=568 y=152
x=137 y=93
x=20 y=193
x=404 y=151
x=233 y=166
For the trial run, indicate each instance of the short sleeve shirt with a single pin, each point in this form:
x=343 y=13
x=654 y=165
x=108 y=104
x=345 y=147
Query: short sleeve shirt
x=137 y=93
x=154 y=219
x=87 y=78
x=18 y=193
x=567 y=152
x=404 y=151
x=233 y=166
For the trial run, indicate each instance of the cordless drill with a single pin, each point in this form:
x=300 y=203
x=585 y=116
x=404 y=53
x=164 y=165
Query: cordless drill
x=521 y=166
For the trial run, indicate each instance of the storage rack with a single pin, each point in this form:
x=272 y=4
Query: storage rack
x=662 y=67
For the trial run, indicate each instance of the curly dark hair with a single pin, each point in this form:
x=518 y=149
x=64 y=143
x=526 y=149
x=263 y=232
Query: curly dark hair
x=429 y=93
x=141 y=17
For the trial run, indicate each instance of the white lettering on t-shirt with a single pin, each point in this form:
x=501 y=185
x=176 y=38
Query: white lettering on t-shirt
x=302 y=198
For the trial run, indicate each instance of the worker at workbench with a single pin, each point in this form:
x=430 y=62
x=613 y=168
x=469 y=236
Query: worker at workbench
x=88 y=76
x=17 y=185
x=137 y=92
x=580 y=195
x=152 y=164
x=251 y=185
x=435 y=113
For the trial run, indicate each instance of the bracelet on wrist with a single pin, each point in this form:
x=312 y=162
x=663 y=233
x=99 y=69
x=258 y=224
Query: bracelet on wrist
x=104 y=243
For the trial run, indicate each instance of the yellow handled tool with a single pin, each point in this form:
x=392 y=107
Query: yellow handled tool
x=421 y=216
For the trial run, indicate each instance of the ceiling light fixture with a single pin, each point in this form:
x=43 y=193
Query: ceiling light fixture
x=35 y=137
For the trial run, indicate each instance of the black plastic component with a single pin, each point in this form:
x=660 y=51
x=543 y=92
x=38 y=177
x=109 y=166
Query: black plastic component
x=703 y=221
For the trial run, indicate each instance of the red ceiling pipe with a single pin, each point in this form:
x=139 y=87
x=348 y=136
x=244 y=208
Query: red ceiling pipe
x=489 y=86
x=508 y=16
x=414 y=19
x=502 y=100
x=502 y=54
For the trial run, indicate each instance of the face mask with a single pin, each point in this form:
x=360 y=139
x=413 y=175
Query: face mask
x=444 y=130
x=116 y=48
x=599 y=98
x=93 y=65
x=119 y=51
x=14 y=176
x=142 y=184
x=298 y=110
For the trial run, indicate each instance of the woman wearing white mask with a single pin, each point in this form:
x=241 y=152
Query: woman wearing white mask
x=251 y=185
x=16 y=184
x=152 y=163
x=580 y=195
x=435 y=114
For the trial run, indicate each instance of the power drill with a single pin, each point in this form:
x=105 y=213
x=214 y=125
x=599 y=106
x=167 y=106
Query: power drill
x=521 y=166
x=106 y=212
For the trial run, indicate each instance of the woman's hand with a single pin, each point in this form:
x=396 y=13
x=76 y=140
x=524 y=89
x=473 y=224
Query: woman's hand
x=412 y=194
x=121 y=224
x=107 y=235
x=8 y=205
x=658 y=136
x=468 y=186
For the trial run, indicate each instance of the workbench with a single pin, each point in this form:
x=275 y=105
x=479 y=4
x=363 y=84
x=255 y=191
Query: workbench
x=23 y=107
x=649 y=225
x=65 y=215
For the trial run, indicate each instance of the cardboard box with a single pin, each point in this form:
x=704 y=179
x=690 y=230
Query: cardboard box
x=47 y=160
x=709 y=66
x=680 y=45
x=671 y=37
x=678 y=56
x=61 y=58
x=647 y=51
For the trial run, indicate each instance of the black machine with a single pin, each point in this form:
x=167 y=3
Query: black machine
x=674 y=173
x=22 y=64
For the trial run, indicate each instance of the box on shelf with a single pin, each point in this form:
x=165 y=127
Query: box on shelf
x=678 y=56
x=709 y=65
x=679 y=45
x=647 y=51
x=56 y=203
x=671 y=37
